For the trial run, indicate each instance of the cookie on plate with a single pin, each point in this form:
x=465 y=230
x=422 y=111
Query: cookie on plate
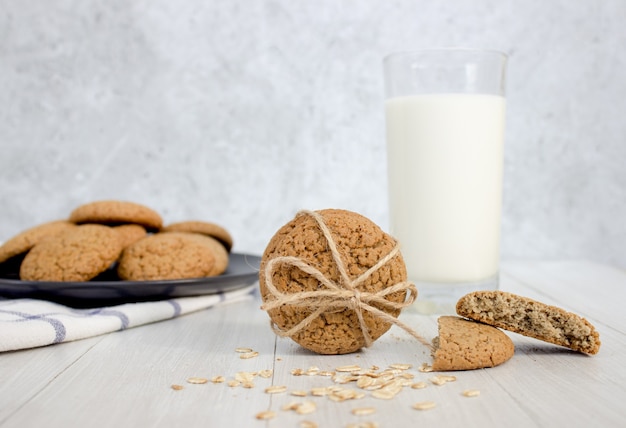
x=111 y=212
x=361 y=245
x=24 y=241
x=130 y=233
x=204 y=228
x=219 y=252
x=164 y=256
x=468 y=345
x=76 y=254
x=530 y=318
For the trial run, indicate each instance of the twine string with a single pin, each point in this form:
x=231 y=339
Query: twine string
x=335 y=297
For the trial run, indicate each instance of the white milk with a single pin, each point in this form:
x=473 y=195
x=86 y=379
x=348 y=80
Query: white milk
x=445 y=160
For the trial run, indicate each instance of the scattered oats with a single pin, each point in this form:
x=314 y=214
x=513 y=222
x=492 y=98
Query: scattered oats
x=396 y=384
x=320 y=391
x=275 y=389
x=471 y=393
x=248 y=355
x=248 y=385
x=233 y=383
x=326 y=373
x=197 y=380
x=405 y=382
x=297 y=372
x=400 y=366
x=266 y=374
x=407 y=375
x=268 y=414
x=308 y=424
x=351 y=368
x=363 y=411
x=437 y=380
x=345 y=394
x=177 y=387
x=245 y=376
x=343 y=378
x=425 y=368
x=374 y=368
x=377 y=383
x=442 y=379
x=393 y=389
x=385 y=377
x=424 y=405
x=312 y=371
x=218 y=379
x=419 y=385
x=364 y=381
x=243 y=350
x=334 y=388
x=373 y=387
x=306 y=408
x=278 y=359
x=384 y=394
x=299 y=393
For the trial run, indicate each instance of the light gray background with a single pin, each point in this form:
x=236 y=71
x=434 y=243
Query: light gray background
x=242 y=112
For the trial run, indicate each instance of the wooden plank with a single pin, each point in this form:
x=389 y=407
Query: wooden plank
x=25 y=374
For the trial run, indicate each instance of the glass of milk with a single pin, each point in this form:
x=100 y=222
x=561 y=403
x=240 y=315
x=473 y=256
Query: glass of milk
x=445 y=116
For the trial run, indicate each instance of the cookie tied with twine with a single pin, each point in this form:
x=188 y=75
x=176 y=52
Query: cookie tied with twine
x=334 y=282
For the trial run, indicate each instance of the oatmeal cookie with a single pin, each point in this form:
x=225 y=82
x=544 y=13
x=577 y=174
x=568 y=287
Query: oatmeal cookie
x=111 y=212
x=361 y=245
x=76 y=254
x=204 y=228
x=130 y=233
x=24 y=241
x=162 y=256
x=219 y=252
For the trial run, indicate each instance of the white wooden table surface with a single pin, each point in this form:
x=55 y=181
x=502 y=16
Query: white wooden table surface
x=124 y=379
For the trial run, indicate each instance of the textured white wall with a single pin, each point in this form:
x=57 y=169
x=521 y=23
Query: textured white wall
x=243 y=112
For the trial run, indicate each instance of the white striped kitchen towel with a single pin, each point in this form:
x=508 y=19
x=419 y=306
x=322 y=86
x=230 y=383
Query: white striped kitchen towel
x=31 y=323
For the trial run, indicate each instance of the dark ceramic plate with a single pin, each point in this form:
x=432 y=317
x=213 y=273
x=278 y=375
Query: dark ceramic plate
x=107 y=289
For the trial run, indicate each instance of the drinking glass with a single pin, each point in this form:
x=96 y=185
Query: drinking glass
x=445 y=120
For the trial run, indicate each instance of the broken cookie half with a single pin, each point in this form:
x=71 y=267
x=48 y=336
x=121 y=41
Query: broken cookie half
x=530 y=318
x=465 y=345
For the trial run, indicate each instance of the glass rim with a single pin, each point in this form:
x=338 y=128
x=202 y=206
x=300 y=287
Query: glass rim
x=414 y=52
